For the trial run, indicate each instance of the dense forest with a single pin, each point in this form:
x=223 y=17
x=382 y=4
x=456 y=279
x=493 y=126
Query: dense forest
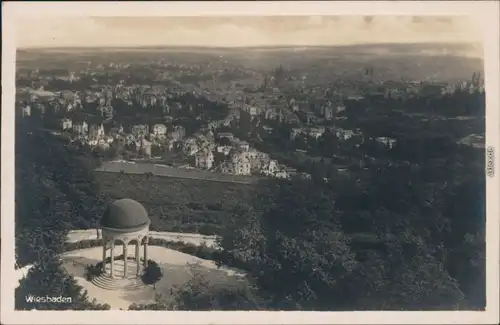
x=389 y=245
x=406 y=231
x=54 y=194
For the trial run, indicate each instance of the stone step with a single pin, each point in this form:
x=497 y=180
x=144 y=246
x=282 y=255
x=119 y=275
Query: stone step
x=105 y=282
x=117 y=282
x=107 y=279
x=117 y=287
x=131 y=274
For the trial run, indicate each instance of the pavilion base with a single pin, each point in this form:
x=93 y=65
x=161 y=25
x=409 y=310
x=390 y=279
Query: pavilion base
x=105 y=282
x=120 y=283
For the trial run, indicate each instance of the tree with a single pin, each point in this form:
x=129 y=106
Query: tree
x=55 y=192
x=291 y=234
x=376 y=244
x=48 y=279
x=403 y=275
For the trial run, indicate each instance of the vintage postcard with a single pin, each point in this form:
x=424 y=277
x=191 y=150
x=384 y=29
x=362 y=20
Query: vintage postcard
x=250 y=162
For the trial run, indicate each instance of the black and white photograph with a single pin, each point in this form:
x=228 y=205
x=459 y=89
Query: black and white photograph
x=230 y=162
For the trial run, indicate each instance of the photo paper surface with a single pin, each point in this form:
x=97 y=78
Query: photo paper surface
x=223 y=163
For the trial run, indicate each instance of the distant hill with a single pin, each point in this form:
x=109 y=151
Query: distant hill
x=408 y=47
x=415 y=61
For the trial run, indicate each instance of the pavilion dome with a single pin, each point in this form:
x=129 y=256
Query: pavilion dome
x=125 y=214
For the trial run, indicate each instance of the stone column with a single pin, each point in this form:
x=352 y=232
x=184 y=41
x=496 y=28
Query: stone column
x=103 y=256
x=146 y=252
x=138 y=256
x=112 y=258
x=125 y=260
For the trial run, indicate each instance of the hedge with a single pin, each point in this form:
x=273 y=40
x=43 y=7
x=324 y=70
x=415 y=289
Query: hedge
x=201 y=251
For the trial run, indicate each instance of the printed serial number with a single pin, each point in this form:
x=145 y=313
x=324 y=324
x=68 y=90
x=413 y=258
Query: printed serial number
x=490 y=161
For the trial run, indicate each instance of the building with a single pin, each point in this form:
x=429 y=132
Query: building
x=178 y=133
x=96 y=131
x=328 y=113
x=243 y=145
x=259 y=161
x=26 y=111
x=204 y=159
x=281 y=173
x=224 y=149
x=226 y=135
x=240 y=164
x=159 y=129
x=272 y=167
x=389 y=142
x=252 y=110
x=340 y=108
x=81 y=128
x=170 y=145
x=343 y=134
x=99 y=142
x=66 y=124
x=316 y=132
x=68 y=107
x=190 y=147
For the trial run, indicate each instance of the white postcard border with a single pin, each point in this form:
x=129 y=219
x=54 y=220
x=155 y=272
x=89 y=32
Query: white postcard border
x=487 y=13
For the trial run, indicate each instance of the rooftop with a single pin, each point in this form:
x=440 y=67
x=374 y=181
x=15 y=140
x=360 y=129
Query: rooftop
x=125 y=214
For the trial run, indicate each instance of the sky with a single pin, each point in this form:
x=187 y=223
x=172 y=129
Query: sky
x=233 y=31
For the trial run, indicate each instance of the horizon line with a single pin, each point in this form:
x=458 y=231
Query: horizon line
x=473 y=43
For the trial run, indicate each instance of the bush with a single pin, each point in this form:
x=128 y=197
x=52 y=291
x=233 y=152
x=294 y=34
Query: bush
x=92 y=271
x=152 y=273
x=94 y=305
x=159 y=304
x=202 y=251
x=199 y=294
x=189 y=249
x=87 y=243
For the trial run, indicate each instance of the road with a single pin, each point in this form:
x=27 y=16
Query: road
x=75 y=236
x=167 y=171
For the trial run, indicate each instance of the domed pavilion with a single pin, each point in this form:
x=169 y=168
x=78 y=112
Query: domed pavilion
x=124 y=223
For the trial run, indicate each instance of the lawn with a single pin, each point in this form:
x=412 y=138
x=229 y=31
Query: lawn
x=176 y=204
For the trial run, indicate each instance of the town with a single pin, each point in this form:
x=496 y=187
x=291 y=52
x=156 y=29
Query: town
x=219 y=117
